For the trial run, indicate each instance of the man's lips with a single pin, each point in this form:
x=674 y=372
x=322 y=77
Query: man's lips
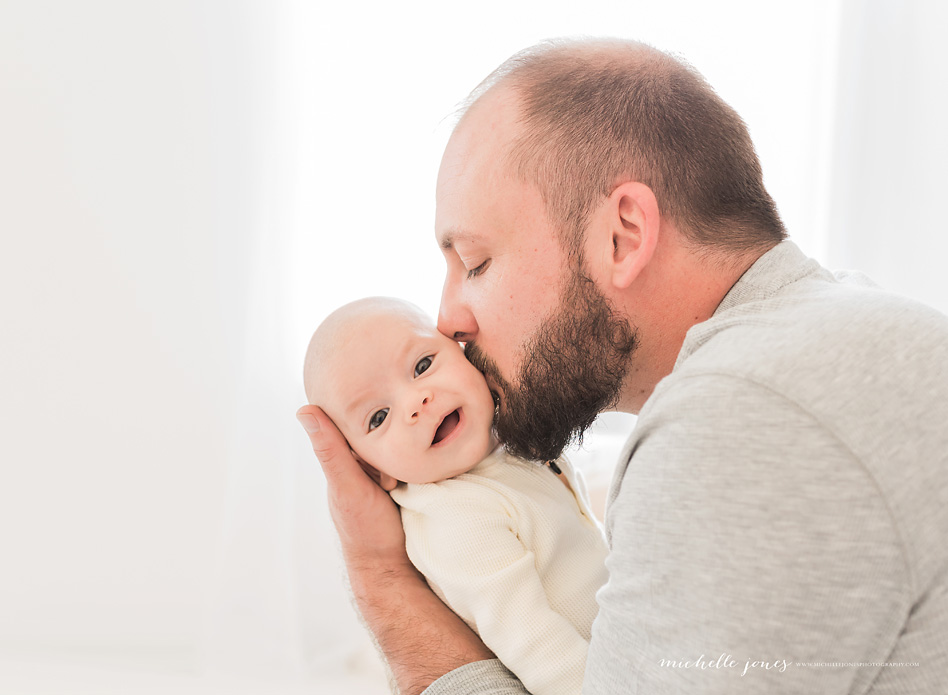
x=449 y=426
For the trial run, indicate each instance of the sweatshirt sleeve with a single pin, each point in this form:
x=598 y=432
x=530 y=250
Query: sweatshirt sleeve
x=478 y=678
x=472 y=556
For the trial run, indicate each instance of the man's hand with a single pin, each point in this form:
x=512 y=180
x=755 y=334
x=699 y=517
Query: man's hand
x=420 y=637
x=366 y=518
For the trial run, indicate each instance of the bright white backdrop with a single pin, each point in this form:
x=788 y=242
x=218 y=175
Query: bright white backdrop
x=188 y=187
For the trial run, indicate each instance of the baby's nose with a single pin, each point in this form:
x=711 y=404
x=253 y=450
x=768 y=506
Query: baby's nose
x=415 y=412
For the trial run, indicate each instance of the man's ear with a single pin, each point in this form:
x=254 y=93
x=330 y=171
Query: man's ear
x=632 y=222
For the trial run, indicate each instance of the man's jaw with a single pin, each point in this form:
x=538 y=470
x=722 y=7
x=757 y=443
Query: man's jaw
x=488 y=368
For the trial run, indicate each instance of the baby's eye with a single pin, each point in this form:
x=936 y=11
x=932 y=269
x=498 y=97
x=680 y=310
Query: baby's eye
x=423 y=365
x=378 y=417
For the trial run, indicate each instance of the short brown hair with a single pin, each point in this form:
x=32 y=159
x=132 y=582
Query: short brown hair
x=595 y=113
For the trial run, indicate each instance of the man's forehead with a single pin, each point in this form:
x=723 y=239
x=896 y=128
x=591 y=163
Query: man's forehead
x=477 y=146
x=466 y=203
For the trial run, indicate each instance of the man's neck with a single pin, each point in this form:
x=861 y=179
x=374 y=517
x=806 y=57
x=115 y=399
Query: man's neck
x=690 y=292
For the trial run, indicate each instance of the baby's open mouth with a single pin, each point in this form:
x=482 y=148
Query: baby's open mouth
x=447 y=426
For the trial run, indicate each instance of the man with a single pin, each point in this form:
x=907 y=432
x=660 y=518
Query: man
x=777 y=521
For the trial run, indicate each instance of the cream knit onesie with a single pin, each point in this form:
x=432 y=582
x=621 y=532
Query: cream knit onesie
x=519 y=557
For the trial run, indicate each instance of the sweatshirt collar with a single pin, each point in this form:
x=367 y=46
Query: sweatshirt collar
x=782 y=265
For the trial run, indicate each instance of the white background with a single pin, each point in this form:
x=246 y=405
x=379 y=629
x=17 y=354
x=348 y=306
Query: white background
x=188 y=187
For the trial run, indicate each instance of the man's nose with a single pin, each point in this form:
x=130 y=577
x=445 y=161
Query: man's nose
x=455 y=318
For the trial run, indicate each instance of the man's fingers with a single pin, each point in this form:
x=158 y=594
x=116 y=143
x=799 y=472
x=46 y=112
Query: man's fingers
x=366 y=518
x=330 y=447
x=323 y=434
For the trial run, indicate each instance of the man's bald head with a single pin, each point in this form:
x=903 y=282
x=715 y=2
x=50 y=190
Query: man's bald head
x=593 y=114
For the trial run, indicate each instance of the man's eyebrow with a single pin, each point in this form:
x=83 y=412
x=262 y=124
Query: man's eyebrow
x=454 y=234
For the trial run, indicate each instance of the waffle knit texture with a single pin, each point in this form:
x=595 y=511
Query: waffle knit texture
x=519 y=557
x=782 y=502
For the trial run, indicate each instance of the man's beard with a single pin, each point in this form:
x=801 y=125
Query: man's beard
x=573 y=369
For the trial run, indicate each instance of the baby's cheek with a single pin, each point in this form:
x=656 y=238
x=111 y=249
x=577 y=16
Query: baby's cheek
x=387 y=460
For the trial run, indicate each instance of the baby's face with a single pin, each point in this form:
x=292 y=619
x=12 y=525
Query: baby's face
x=407 y=399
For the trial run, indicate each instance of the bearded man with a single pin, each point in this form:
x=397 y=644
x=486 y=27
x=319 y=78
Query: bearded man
x=783 y=498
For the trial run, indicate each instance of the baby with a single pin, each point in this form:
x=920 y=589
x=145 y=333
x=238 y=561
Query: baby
x=509 y=545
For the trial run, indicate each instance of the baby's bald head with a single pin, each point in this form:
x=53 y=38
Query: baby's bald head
x=401 y=393
x=353 y=321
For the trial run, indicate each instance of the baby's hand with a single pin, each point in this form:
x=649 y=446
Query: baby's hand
x=366 y=518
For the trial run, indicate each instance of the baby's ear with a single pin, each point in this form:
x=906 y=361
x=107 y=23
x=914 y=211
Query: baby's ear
x=383 y=480
x=387 y=482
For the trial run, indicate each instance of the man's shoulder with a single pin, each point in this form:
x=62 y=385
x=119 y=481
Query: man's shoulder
x=819 y=334
x=846 y=379
x=857 y=360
